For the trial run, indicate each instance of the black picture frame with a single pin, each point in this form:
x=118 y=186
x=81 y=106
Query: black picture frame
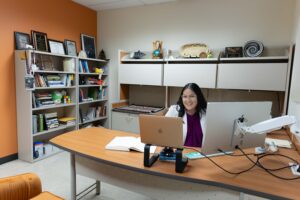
x=70 y=47
x=21 y=40
x=233 y=52
x=56 y=47
x=39 y=41
x=88 y=45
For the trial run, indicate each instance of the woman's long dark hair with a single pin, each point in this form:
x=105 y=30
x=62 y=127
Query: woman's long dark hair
x=202 y=104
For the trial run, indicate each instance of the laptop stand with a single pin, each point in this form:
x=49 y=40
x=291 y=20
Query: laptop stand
x=180 y=162
x=148 y=162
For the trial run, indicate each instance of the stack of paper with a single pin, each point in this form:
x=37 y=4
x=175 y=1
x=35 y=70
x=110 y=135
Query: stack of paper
x=279 y=142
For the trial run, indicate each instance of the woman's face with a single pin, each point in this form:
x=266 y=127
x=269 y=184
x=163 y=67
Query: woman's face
x=190 y=101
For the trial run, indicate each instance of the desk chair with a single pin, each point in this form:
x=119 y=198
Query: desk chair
x=24 y=187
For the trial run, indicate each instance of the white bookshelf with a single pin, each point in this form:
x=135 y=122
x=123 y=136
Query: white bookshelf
x=52 y=64
x=99 y=98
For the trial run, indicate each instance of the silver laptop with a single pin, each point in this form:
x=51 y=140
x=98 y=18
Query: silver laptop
x=161 y=131
x=220 y=118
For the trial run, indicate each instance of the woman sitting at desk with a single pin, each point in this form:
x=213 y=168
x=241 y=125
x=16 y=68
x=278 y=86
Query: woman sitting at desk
x=191 y=106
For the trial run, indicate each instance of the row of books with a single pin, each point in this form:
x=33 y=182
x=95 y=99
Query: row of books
x=41 y=99
x=42 y=122
x=88 y=81
x=92 y=113
x=67 y=121
x=92 y=94
x=83 y=66
x=51 y=120
x=61 y=80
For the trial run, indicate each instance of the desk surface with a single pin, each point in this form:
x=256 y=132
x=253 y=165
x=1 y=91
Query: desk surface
x=91 y=143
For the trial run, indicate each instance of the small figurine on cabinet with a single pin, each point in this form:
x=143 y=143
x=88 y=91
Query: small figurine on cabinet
x=157 y=50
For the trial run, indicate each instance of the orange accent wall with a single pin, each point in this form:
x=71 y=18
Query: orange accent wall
x=60 y=19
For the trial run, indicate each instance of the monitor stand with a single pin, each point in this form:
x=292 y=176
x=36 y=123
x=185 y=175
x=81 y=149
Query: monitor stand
x=180 y=161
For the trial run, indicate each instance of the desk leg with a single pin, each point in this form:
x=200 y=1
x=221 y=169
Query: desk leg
x=242 y=196
x=73 y=176
x=98 y=187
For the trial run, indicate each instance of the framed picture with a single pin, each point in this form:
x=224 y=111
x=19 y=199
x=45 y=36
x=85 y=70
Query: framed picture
x=22 y=40
x=39 y=41
x=88 y=45
x=56 y=47
x=70 y=47
x=232 y=52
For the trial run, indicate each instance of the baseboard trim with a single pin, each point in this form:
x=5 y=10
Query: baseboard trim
x=8 y=158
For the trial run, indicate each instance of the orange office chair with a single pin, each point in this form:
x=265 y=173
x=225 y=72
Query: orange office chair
x=24 y=187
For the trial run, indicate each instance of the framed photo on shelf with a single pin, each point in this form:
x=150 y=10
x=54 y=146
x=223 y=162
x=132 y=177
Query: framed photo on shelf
x=39 y=41
x=22 y=40
x=88 y=45
x=56 y=47
x=70 y=47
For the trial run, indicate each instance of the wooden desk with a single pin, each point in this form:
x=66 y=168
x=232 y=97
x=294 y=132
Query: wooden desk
x=87 y=148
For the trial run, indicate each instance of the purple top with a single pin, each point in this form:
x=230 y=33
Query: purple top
x=194 y=131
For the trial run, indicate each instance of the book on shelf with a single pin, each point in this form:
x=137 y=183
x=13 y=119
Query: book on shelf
x=102 y=93
x=34 y=105
x=51 y=120
x=81 y=95
x=40 y=81
x=41 y=123
x=34 y=124
x=67 y=121
x=81 y=115
x=91 y=113
x=100 y=111
x=66 y=79
x=53 y=80
x=83 y=66
x=42 y=99
x=93 y=93
x=127 y=143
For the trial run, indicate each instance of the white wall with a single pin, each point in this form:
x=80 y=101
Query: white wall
x=217 y=23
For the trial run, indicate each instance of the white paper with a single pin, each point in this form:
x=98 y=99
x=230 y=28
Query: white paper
x=127 y=144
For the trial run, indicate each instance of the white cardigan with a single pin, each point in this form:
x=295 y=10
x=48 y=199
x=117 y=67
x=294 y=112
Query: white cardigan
x=172 y=112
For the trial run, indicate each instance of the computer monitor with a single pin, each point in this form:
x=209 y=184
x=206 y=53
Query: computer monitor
x=220 y=118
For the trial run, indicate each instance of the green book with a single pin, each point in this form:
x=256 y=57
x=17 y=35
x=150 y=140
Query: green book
x=41 y=122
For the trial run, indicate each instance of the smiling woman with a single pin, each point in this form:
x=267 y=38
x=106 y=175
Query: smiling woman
x=191 y=106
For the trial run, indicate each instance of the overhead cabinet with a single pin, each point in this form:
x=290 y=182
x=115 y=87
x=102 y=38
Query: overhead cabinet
x=141 y=74
x=180 y=74
x=269 y=73
x=255 y=75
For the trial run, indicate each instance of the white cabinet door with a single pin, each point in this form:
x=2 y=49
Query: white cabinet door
x=142 y=74
x=180 y=74
x=252 y=76
x=125 y=122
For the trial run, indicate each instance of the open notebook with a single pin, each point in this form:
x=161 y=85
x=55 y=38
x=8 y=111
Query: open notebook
x=127 y=144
